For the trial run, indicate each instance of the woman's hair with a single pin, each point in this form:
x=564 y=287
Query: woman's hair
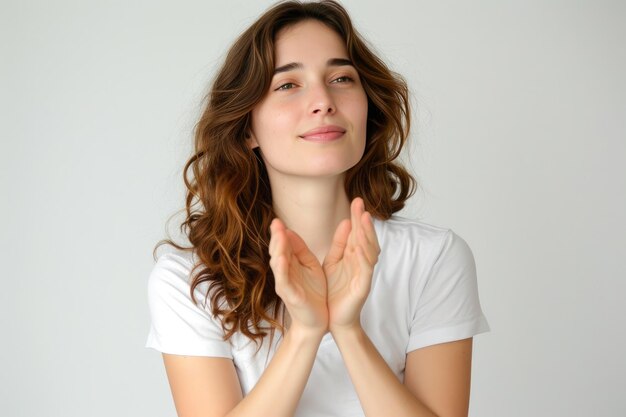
x=229 y=200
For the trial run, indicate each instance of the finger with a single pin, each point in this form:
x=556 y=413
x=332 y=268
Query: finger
x=273 y=238
x=280 y=267
x=370 y=232
x=276 y=226
x=279 y=253
x=356 y=208
x=363 y=231
x=339 y=243
x=368 y=250
x=366 y=270
x=301 y=250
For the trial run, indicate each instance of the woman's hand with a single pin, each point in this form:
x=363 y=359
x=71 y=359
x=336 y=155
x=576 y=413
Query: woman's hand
x=299 y=279
x=349 y=266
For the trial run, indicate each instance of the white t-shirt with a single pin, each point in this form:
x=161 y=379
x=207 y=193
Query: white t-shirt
x=423 y=292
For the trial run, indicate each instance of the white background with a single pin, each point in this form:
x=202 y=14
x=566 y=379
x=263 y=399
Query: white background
x=518 y=144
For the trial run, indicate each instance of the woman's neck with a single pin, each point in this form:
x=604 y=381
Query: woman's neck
x=312 y=208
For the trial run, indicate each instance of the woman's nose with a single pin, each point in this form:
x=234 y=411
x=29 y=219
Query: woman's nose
x=322 y=101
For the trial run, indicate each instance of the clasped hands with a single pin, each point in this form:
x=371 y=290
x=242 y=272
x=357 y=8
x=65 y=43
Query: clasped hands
x=329 y=296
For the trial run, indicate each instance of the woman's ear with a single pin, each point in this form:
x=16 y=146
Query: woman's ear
x=251 y=140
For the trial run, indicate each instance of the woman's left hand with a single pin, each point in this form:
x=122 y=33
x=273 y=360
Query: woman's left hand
x=349 y=266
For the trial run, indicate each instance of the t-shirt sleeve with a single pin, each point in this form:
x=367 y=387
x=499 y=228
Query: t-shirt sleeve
x=448 y=307
x=178 y=325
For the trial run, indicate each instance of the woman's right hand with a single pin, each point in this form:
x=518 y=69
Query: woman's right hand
x=299 y=277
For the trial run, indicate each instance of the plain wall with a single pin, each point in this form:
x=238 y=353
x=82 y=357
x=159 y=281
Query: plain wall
x=518 y=144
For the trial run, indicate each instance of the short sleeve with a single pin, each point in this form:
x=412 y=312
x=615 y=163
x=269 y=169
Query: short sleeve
x=448 y=307
x=178 y=325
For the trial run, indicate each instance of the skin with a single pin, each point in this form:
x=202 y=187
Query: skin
x=323 y=250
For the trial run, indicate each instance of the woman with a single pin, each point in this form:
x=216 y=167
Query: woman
x=301 y=294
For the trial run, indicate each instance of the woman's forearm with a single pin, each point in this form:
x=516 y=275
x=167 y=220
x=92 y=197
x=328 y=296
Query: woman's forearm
x=380 y=392
x=279 y=389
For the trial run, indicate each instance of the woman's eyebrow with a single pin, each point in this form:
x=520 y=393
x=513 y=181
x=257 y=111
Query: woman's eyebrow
x=339 y=62
x=333 y=62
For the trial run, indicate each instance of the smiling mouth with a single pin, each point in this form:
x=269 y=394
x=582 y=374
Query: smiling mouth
x=324 y=134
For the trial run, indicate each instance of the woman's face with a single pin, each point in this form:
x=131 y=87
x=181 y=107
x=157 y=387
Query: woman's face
x=312 y=121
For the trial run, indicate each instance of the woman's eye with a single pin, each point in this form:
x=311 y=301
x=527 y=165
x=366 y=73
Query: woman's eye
x=344 y=79
x=286 y=86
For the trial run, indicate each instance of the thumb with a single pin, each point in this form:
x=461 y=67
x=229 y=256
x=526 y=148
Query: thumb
x=301 y=250
x=338 y=245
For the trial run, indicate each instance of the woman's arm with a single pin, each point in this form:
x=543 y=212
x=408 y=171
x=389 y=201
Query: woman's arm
x=437 y=378
x=440 y=375
x=208 y=387
x=202 y=386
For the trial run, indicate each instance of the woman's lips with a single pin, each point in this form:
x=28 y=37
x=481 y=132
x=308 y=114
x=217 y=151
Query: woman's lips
x=324 y=134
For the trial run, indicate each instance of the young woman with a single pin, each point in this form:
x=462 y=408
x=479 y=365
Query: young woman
x=302 y=294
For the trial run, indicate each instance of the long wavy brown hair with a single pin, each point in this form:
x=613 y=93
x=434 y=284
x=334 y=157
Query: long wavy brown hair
x=229 y=200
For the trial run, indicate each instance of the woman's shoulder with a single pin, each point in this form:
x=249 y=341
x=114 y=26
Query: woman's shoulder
x=172 y=271
x=170 y=256
x=400 y=234
x=181 y=325
x=402 y=228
